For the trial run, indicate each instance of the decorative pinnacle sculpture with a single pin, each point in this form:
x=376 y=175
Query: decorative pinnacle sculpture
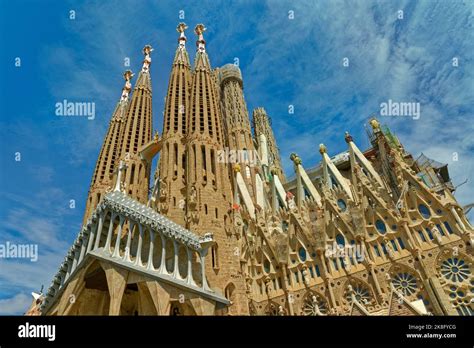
x=180 y=29
x=375 y=124
x=295 y=158
x=322 y=148
x=147 y=60
x=200 y=43
x=127 y=75
x=348 y=137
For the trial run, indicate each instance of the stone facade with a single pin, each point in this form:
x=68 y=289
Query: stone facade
x=372 y=232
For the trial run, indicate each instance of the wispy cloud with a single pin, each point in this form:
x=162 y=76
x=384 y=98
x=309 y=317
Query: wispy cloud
x=284 y=61
x=16 y=304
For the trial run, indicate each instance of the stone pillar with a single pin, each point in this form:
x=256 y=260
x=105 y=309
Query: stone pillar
x=126 y=256
x=109 y=234
x=119 y=237
x=116 y=282
x=150 y=265
x=99 y=229
x=138 y=258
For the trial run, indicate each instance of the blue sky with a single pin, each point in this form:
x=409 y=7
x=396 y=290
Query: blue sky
x=284 y=62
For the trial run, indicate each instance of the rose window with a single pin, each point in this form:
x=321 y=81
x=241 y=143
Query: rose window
x=361 y=294
x=455 y=269
x=315 y=305
x=405 y=283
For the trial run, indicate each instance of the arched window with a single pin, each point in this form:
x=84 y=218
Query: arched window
x=302 y=254
x=340 y=240
x=132 y=173
x=266 y=266
x=380 y=226
x=424 y=211
x=215 y=256
x=341 y=204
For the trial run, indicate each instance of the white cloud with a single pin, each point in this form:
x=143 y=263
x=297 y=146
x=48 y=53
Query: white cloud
x=15 y=305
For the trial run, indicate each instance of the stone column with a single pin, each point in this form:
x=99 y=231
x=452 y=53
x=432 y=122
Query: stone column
x=126 y=256
x=138 y=258
x=189 y=278
x=119 y=237
x=150 y=265
x=90 y=241
x=99 y=229
x=109 y=234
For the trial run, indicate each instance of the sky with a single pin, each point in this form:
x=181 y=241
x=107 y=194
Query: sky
x=332 y=62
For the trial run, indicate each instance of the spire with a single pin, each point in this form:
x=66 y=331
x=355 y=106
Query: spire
x=137 y=131
x=127 y=75
x=181 y=56
x=147 y=60
x=144 y=79
x=182 y=38
x=202 y=60
x=171 y=167
x=110 y=151
x=200 y=43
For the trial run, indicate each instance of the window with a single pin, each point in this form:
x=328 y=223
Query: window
x=213 y=163
x=341 y=204
x=424 y=211
x=455 y=269
x=448 y=227
x=422 y=236
x=429 y=233
x=203 y=157
x=377 y=251
x=394 y=245
x=132 y=173
x=380 y=226
x=302 y=254
x=400 y=242
x=440 y=229
x=340 y=240
x=266 y=266
x=215 y=257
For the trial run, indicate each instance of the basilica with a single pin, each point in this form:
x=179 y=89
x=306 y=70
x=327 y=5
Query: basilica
x=366 y=232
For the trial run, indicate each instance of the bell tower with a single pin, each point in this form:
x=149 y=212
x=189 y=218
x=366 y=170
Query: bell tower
x=172 y=162
x=136 y=132
x=110 y=151
x=209 y=193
